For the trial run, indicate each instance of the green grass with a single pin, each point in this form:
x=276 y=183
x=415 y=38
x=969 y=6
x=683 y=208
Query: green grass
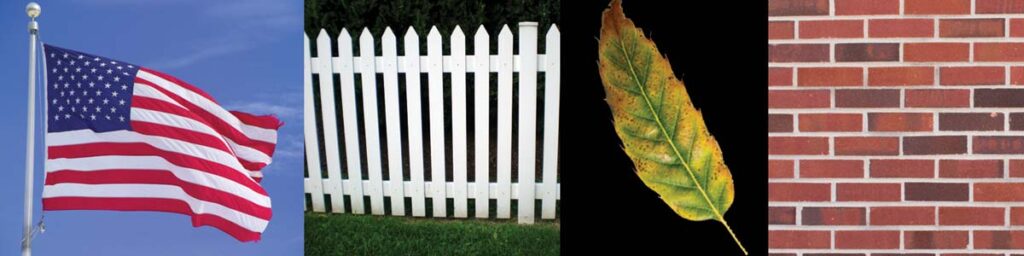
x=347 y=234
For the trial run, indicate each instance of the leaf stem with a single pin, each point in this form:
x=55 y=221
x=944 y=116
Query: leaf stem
x=734 y=236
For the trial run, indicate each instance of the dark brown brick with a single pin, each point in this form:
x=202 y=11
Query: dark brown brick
x=833 y=216
x=798 y=53
x=934 y=145
x=998 y=239
x=971 y=28
x=867 y=52
x=1017 y=121
x=867 y=98
x=998 y=145
x=1008 y=98
x=782 y=215
x=935 y=239
x=936 y=192
x=797 y=7
x=780 y=123
x=971 y=121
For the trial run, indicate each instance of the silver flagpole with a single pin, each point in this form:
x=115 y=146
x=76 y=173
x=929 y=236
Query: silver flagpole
x=33 y=11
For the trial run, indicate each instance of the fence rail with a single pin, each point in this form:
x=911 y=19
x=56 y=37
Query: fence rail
x=527 y=190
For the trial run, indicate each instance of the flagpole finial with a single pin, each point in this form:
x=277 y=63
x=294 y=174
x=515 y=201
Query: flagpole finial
x=33 y=10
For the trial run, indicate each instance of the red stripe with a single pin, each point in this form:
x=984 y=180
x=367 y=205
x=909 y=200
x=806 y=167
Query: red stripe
x=265 y=121
x=190 y=136
x=150 y=204
x=198 y=113
x=134 y=176
x=143 y=149
x=177 y=81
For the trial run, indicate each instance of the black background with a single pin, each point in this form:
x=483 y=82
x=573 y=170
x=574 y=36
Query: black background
x=718 y=49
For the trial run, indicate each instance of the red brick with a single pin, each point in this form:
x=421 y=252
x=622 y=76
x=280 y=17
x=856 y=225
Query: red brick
x=780 y=169
x=999 y=6
x=1017 y=75
x=830 y=76
x=798 y=53
x=976 y=216
x=934 y=145
x=998 y=145
x=781 y=215
x=780 y=123
x=937 y=7
x=798 y=146
x=856 y=52
x=971 y=27
x=780 y=30
x=935 y=239
x=831 y=168
x=797 y=7
x=899 y=122
x=799 y=192
x=799 y=99
x=936 y=52
x=780 y=76
x=971 y=121
x=832 y=29
x=919 y=191
x=867 y=7
x=833 y=216
x=889 y=76
x=1017 y=27
x=902 y=168
x=868 y=192
x=858 y=239
x=902 y=215
x=867 y=146
x=971 y=168
x=856 y=98
x=972 y=75
x=831 y=122
x=799 y=239
x=998 y=239
x=1016 y=216
x=1016 y=168
x=999 y=52
x=937 y=98
x=886 y=28
x=999 y=192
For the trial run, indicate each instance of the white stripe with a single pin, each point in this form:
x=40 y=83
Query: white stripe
x=168 y=144
x=244 y=220
x=164 y=118
x=158 y=164
x=253 y=132
x=144 y=90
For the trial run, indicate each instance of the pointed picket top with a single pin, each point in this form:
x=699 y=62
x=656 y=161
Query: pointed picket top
x=389 y=37
x=457 y=34
x=434 y=47
x=553 y=33
x=505 y=31
x=458 y=48
x=366 y=43
x=323 y=37
x=433 y=34
x=481 y=35
x=411 y=36
x=505 y=47
x=344 y=44
x=388 y=44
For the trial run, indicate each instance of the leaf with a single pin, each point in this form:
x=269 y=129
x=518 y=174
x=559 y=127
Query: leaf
x=661 y=130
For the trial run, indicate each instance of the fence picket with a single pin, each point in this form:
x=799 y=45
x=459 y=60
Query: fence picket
x=393 y=116
x=504 y=190
x=348 y=112
x=333 y=183
x=459 y=147
x=481 y=109
x=370 y=122
x=415 y=121
x=527 y=189
x=435 y=92
x=552 y=92
x=314 y=183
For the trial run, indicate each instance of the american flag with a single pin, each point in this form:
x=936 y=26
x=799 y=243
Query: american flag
x=126 y=138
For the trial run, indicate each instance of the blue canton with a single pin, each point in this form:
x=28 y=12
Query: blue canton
x=85 y=91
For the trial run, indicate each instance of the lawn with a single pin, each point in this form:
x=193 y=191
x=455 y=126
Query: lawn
x=347 y=234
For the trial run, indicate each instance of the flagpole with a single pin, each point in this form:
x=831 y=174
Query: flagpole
x=33 y=10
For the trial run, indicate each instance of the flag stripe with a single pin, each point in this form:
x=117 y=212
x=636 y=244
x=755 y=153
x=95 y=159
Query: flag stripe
x=143 y=113
x=158 y=177
x=151 y=204
x=162 y=143
x=196 y=206
x=107 y=162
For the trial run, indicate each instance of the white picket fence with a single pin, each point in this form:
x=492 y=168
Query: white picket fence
x=481 y=63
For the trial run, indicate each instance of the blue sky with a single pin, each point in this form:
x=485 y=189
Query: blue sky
x=244 y=54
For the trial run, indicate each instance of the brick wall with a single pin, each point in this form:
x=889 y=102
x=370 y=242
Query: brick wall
x=896 y=126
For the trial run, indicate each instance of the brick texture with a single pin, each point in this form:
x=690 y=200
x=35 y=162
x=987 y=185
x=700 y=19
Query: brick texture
x=896 y=127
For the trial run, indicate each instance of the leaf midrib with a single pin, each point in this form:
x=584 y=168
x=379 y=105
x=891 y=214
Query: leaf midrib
x=661 y=127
